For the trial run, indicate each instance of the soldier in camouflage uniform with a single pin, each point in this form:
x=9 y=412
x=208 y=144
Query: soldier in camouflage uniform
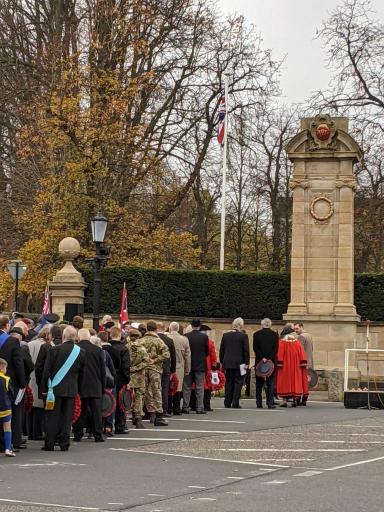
x=140 y=361
x=158 y=353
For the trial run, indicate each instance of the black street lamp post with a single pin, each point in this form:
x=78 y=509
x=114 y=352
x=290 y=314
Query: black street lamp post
x=99 y=227
x=17 y=269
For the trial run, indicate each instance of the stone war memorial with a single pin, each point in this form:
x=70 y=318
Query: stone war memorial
x=322 y=270
x=323 y=154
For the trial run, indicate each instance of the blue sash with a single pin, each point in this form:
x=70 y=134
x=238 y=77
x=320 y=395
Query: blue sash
x=3 y=338
x=50 y=403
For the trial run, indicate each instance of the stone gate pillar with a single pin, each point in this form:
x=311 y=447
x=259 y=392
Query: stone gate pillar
x=67 y=287
x=322 y=271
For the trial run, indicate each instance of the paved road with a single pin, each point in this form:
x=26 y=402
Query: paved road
x=320 y=458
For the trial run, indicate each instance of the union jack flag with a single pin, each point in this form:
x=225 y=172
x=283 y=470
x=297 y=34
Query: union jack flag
x=221 y=116
x=47 y=302
x=124 y=307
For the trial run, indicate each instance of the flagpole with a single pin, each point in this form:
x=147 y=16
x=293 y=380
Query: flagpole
x=224 y=173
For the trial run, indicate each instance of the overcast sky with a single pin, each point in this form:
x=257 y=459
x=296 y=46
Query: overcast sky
x=288 y=27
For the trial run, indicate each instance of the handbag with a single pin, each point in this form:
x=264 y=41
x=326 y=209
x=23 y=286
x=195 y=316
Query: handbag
x=50 y=402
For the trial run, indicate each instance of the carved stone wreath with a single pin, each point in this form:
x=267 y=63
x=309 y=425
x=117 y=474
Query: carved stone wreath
x=322 y=217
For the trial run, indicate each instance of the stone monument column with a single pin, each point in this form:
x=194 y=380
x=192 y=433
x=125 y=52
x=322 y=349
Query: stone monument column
x=322 y=271
x=67 y=287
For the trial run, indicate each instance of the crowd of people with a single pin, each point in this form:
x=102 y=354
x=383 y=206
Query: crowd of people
x=59 y=378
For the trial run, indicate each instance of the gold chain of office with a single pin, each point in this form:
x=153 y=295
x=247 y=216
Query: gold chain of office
x=322 y=217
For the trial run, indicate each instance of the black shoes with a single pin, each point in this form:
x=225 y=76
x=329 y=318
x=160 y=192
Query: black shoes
x=271 y=406
x=185 y=410
x=160 y=422
x=201 y=412
x=167 y=415
x=124 y=431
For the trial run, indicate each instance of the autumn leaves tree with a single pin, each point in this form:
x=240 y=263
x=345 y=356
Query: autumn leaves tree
x=111 y=105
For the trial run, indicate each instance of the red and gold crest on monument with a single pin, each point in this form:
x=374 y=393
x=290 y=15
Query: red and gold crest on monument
x=323 y=133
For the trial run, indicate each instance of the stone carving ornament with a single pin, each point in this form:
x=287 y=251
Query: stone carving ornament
x=323 y=133
x=346 y=182
x=298 y=182
x=322 y=209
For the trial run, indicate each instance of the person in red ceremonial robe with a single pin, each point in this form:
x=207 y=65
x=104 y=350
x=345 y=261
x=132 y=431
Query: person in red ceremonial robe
x=292 y=380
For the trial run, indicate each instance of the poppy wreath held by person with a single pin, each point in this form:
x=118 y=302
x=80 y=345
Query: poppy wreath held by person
x=126 y=398
x=173 y=384
x=221 y=380
x=28 y=402
x=76 y=411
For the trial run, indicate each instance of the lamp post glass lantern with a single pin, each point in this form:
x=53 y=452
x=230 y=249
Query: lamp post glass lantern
x=99 y=227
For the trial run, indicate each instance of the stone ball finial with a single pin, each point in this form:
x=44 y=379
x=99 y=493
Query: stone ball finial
x=69 y=248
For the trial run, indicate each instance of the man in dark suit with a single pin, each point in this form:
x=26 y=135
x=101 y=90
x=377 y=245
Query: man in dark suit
x=121 y=361
x=265 y=345
x=58 y=421
x=234 y=351
x=198 y=342
x=169 y=367
x=10 y=350
x=92 y=388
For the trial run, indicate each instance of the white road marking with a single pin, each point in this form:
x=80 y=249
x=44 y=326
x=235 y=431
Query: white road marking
x=115 y=503
x=209 y=421
x=197 y=457
x=188 y=431
x=253 y=410
x=56 y=505
x=157 y=495
x=50 y=463
x=359 y=463
x=203 y=499
x=309 y=473
x=345 y=434
x=236 y=493
x=359 y=426
x=144 y=439
x=235 y=477
x=267 y=469
x=281 y=460
x=277 y=482
x=196 y=487
x=288 y=450
x=352 y=442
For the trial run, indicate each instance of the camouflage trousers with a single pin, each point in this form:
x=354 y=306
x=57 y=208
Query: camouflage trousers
x=138 y=404
x=153 y=399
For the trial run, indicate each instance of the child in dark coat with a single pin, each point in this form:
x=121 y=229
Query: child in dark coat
x=5 y=408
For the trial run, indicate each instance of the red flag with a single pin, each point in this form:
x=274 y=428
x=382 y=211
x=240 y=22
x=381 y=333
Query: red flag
x=221 y=117
x=124 y=307
x=47 y=302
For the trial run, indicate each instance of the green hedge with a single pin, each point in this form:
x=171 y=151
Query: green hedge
x=369 y=296
x=214 y=294
x=193 y=293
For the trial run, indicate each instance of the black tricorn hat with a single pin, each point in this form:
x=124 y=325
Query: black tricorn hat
x=51 y=318
x=264 y=369
x=108 y=325
x=204 y=327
